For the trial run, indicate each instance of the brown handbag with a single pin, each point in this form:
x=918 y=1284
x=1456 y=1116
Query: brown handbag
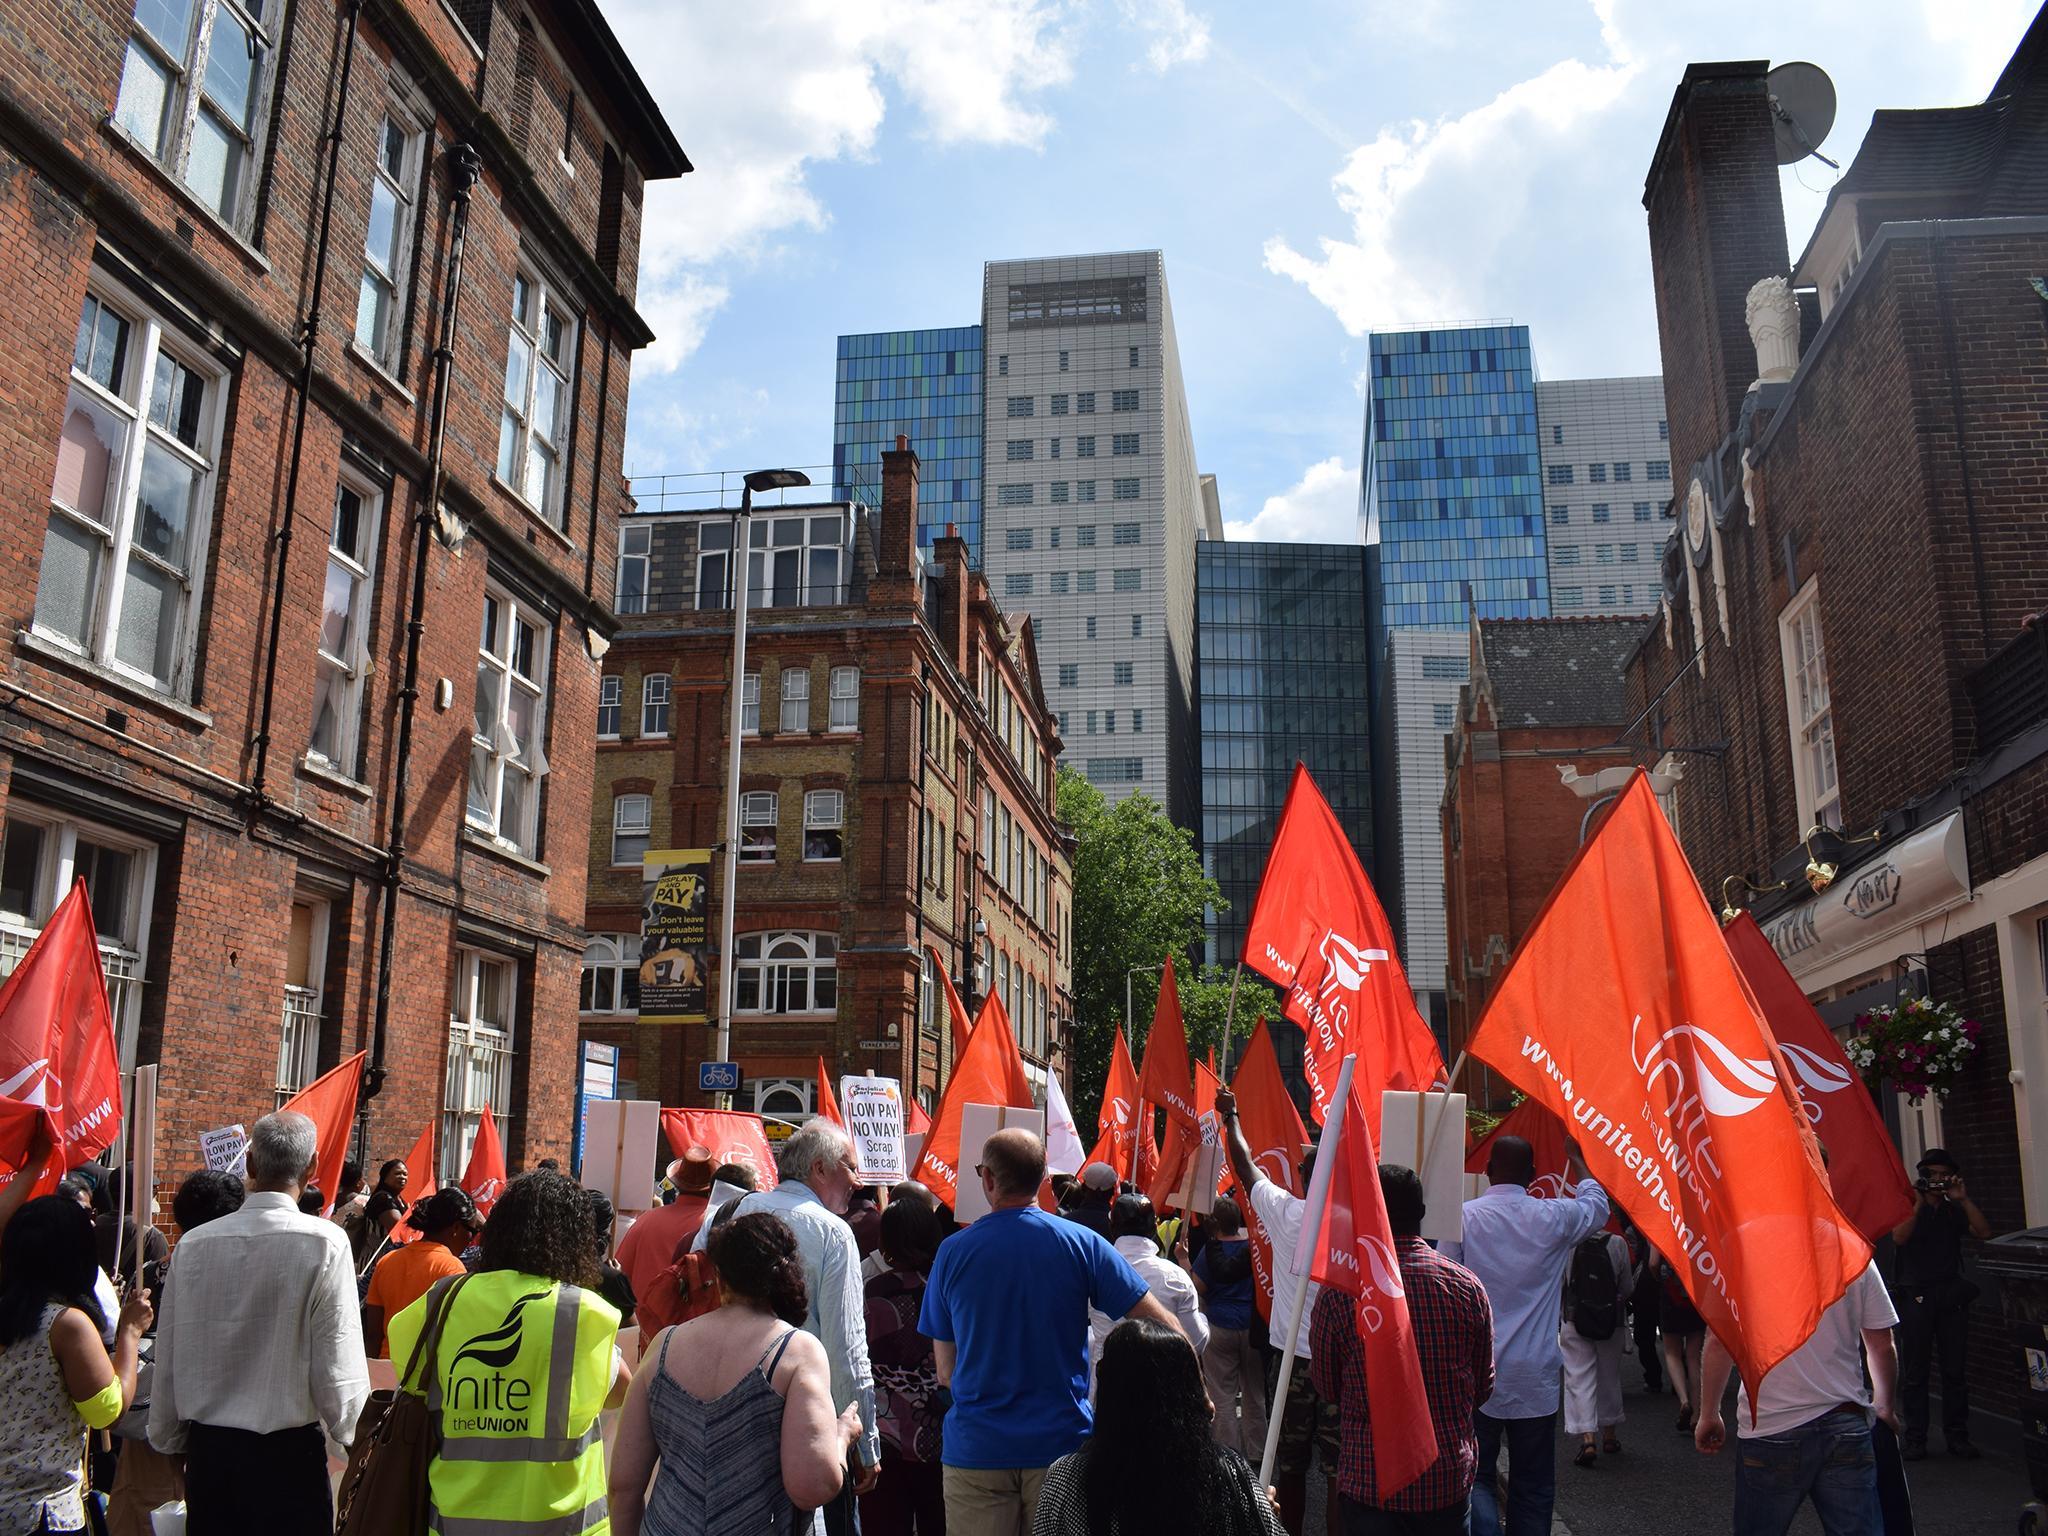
x=384 y=1491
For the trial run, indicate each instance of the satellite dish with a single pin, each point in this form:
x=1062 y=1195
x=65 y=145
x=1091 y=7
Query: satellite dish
x=1802 y=111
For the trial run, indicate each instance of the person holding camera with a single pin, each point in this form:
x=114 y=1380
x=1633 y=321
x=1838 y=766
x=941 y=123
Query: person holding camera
x=1934 y=1303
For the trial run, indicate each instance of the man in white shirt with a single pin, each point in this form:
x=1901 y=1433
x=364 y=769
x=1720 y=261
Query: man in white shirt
x=1134 y=1233
x=819 y=1175
x=259 y=1352
x=1811 y=1439
x=1519 y=1247
x=1306 y=1421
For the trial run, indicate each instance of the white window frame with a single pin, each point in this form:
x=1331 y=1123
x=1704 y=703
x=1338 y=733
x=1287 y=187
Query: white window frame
x=845 y=707
x=1802 y=647
x=497 y=756
x=298 y=1041
x=632 y=817
x=123 y=934
x=170 y=143
x=759 y=808
x=386 y=334
x=768 y=964
x=795 y=685
x=824 y=811
x=611 y=956
x=480 y=1054
x=611 y=695
x=636 y=553
x=750 y=704
x=116 y=552
x=517 y=432
x=344 y=669
x=655 y=701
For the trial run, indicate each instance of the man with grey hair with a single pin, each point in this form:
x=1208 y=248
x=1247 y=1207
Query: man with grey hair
x=819 y=1174
x=259 y=1352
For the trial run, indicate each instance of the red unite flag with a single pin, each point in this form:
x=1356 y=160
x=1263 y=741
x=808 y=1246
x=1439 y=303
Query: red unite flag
x=730 y=1136
x=1166 y=1078
x=484 y=1178
x=1273 y=1130
x=1540 y=1128
x=419 y=1184
x=1116 y=1122
x=1864 y=1169
x=1318 y=931
x=329 y=1101
x=1356 y=1255
x=1624 y=1015
x=989 y=1071
x=60 y=1066
x=828 y=1102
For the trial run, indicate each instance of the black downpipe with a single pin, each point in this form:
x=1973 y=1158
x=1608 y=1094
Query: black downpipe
x=464 y=167
x=309 y=342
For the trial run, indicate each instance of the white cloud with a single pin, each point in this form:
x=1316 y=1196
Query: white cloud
x=1319 y=508
x=1177 y=36
x=680 y=310
x=1433 y=205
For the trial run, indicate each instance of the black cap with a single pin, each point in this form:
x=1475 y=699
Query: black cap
x=1936 y=1157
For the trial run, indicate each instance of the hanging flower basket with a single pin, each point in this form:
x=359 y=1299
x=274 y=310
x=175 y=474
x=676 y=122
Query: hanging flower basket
x=1918 y=1045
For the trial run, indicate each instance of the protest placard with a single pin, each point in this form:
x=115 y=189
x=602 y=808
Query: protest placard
x=978 y=1122
x=1426 y=1131
x=226 y=1150
x=873 y=1111
x=619 y=1151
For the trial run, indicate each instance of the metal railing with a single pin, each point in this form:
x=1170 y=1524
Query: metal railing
x=121 y=967
x=718 y=490
x=479 y=1073
x=298 y=1043
x=2009 y=692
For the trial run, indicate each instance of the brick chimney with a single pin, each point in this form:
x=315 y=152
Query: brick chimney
x=896 y=559
x=949 y=552
x=1717 y=225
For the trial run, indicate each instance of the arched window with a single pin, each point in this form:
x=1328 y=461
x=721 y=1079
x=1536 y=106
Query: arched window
x=786 y=972
x=611 y=975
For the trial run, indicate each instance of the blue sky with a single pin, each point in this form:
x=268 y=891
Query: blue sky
x=1310 y=170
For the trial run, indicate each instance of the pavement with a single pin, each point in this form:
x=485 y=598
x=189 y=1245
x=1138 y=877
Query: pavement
x=1661 y=1486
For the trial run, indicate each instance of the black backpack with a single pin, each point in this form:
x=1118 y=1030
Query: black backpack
x=1590 y=1290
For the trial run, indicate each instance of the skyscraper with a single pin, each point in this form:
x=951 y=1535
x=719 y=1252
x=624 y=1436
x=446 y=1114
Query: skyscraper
x=1453 y=499
x=1093 y=507
x=1606 y=485
x=925 y=385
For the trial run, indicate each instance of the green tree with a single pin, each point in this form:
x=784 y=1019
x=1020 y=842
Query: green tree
x=1205 y=1005
x=1139 y=895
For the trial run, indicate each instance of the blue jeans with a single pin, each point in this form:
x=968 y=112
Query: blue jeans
x=1532 y=1475
x=1828 y=1460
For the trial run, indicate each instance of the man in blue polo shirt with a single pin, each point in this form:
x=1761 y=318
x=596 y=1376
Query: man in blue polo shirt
x=1006 y=1309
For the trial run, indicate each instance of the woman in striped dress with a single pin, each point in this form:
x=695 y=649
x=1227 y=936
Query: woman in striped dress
x=734 y=1424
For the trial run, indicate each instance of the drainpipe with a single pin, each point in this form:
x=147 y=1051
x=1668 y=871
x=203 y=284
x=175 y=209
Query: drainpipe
x=464 y=167
x=309 y=342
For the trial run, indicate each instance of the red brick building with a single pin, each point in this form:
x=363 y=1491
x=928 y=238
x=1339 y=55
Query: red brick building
x=209 y=570
x=1538 y=723
x=1851 y=659
x=896 y=796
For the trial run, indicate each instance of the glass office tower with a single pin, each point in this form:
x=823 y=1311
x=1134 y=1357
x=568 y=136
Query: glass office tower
x=1281 y=674
x=925 y=385
x=1453 y=498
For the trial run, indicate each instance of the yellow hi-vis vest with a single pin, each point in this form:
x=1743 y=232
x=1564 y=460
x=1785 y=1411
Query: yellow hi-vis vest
x=524 y=1367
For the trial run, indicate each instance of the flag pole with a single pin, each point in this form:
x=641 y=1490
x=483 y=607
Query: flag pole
x=1317 y=1201
x=1230 y=1011
x=122 y=1160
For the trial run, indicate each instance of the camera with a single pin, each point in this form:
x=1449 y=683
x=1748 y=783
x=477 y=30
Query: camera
x=1934 y=1186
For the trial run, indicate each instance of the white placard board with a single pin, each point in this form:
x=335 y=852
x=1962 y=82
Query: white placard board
x=226 y=1150
x=872 y=1108
x=619 y=1145
x=1426 y=1132
x=913 y=1149
x=978 y=1122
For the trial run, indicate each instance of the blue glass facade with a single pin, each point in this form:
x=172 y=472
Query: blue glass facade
x=926 y=386
x=1453 y=477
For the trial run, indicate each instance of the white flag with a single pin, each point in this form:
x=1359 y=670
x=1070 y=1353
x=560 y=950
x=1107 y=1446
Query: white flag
x=1064 y=1150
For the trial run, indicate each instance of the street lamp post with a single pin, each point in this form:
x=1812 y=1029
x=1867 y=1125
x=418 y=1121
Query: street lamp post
x=742 y=553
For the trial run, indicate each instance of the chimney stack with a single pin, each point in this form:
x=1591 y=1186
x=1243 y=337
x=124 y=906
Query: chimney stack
x=896 y=563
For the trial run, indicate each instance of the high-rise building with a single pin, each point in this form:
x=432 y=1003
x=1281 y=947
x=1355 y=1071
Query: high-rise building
x=1093 y=507
x=1606 y=487
x=926 y=386
x=1453 y=499
x=1282 y=674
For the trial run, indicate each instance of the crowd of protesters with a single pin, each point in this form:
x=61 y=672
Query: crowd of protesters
x=825 y=1357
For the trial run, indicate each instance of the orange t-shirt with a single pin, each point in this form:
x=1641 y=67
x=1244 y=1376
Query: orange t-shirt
x=406 y=1274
